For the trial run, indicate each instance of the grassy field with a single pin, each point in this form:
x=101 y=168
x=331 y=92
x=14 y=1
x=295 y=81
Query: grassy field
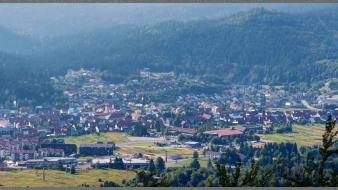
x=186 y=162
x=93 y=138
x=138 y=146
x=302 y=135
x=154 y=150
x=53 y=178
x=142 y=144
x=150 y=149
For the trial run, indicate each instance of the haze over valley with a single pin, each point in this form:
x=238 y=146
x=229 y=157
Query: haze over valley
x=168 y=95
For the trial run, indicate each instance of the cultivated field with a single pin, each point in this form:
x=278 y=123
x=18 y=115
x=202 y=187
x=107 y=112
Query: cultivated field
x=53 y=178
x=302 y=135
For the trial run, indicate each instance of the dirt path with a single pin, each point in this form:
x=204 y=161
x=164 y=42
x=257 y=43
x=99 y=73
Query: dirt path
x=308 y=106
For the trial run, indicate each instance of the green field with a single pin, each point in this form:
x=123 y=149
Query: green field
x=186 y=162
x=93 y=138
x=53 y=178
x=302 y=135
x=150 y=149
x=154 y=150
x=141 y=144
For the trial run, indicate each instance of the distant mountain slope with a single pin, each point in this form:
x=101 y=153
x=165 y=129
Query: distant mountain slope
x=253 y=47
x=23 y=80
x=258 y=46
x=60 y=19
x=12 y=42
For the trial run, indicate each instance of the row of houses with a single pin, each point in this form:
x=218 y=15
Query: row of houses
x=49 y=162
x=20 y=155
x=19 y=152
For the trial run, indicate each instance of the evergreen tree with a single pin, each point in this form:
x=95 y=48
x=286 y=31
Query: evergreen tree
x=118 y=163
x=209 y=165
x=143 y=177
x=313 y=172
x=195 y=155
x=109 y=184
x=236 y=175
x=151 y=167
x=222 y=174
x=328 y=148
x=139 y=130
x=250 y=175
x=195 y=164
x=159 y=165
x=72 y=169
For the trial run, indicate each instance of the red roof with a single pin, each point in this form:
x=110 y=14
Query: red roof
x=225 y=132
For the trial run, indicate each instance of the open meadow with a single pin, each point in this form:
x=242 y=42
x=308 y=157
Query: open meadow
x=150 y=149
x=186 y=162
x=153 y=151
x=306 y=135
x=93 y=138
x=54 y=178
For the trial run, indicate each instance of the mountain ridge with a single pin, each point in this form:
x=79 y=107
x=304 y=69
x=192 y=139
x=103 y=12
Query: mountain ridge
x=269 y=47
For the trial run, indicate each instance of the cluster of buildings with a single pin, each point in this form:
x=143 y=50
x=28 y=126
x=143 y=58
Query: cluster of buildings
x=95 y=106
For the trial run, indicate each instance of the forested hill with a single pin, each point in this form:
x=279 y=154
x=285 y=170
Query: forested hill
x=11 y=42
x=22 y=79
x=259 y=46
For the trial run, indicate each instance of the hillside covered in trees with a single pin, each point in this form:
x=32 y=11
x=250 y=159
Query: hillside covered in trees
x=259 y=46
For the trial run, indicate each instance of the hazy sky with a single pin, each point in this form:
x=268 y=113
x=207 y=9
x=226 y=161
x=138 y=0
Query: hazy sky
x=58 y=19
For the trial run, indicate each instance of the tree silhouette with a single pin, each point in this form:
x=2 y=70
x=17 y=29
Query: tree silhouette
x=327 y=148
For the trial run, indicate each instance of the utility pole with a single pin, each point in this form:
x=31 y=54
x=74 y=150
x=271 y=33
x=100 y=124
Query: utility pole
x=166 y=156
x=43 y=174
